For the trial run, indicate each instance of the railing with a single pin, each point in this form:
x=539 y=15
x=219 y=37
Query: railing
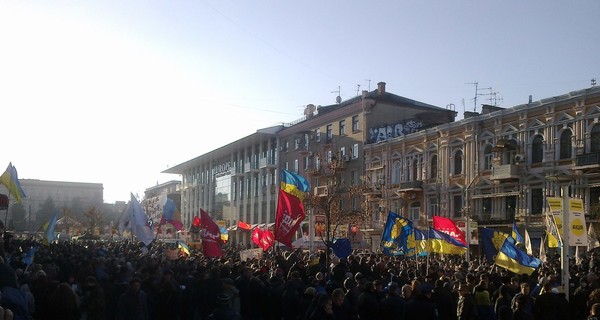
x=417 y=184
x=587 y=159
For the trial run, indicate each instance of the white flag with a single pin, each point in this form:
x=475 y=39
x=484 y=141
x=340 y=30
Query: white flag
x=578 y=258
x=528 y=247
x=543 y=250
x=592 y=238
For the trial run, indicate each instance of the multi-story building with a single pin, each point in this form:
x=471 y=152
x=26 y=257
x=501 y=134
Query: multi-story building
x=78 y=197
x=234 y=182
x=495 y=167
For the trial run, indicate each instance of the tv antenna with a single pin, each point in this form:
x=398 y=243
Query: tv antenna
x=357 y=89
x=338 y=99
x=369 y=82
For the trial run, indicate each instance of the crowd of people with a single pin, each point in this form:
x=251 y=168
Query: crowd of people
x=122 y=280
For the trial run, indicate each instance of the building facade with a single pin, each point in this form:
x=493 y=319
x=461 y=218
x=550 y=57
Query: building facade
x=495 y=167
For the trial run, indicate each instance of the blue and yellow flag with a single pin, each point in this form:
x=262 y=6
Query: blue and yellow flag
x=516 y=235
x=398 y=237
x=183 y=247
x=440 y=242
x=514 y=259
x=294 y=184
x=48 y=228
x=10 y=179
x=421 y=243
x=491 y=242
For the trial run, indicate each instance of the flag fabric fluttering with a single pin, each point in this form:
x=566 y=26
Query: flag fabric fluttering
x=396 y=236
x=211 y=236
x=49 y=234
x=342 y=248
x=289 y=216
x=441 y=242
x=10 y=179
x=516 y=235
x=543 y=257
x=256 y=236
x=29 y=256
x=421 y=243
x=448 y=227
x=553 y=235
x=137 y=222
x=170 y=214
x=267 y=239
x=514 y=259
x=183 y=247
x=528 y=247
x=492 y=241
x=244 y=225
x=294 y=184
x=592 y=238
x=224 y=234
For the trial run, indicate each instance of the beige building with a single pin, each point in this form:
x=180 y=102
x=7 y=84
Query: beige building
x=495 y=167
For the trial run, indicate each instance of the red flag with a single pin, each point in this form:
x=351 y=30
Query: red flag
x=244 y=225
x=196 y=222
x=256 y=236
x=448 y=227
x=267 y=240
x=211 y=236
x=290 y=213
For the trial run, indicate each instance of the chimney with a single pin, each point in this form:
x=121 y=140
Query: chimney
x=381 y=88
x=530 y=99
x=365 y=93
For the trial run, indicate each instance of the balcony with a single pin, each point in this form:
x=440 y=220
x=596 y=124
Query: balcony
x=505 y=172
x=236 y=171
x=268 y=162
x=251 y=167
x=416 y=185
x=587 y=161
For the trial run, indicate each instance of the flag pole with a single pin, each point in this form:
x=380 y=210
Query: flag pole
x=565 y=243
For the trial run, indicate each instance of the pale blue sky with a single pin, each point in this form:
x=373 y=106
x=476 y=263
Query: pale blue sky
x=115 y=91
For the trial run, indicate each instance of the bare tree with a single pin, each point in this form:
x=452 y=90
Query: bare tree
x=336 y=198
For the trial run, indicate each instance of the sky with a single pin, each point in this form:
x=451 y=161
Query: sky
x=115 y=92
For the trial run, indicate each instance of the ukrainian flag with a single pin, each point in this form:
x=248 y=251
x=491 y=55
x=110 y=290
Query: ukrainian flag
x=10 y=179
x=492 y=241
x=183 y=247
x=514 y=259
x=421 y=243
x=294 y=184
x=443 y=243
x=516 y=235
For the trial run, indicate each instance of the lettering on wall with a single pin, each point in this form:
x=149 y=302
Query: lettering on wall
x=386 y=132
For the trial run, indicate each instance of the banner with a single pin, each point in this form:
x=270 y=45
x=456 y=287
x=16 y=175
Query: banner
x=448 y=227
x=211 y=236
x=577 y=232
x=255 y=253
x=473 y=233
x=290 y=213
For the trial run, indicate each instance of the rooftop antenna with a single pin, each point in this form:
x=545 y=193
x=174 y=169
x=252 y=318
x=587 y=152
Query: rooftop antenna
x=357 y=89
x=593 y=82
x=338 y=99
x=369 y=81
x=475 y=98
x=494 y=98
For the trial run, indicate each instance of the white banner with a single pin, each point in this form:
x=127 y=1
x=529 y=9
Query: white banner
x=577 y=232
x=251 y=254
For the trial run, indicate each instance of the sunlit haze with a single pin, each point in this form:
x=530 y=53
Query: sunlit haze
x=114 y=92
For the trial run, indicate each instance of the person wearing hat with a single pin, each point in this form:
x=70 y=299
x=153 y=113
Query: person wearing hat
x=466 y=308
x=422 y=307
x=392 y=305
x=224 y=311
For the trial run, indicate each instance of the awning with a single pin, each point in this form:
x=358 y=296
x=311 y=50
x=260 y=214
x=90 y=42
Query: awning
x=495 y=195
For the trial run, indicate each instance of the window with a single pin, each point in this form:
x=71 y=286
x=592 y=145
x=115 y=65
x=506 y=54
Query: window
x=306 y=162
x=355 y=123
x=414 y=211
x=565 y=145
x=342 y=152
x=296 y=165
x=537 y=201
x=433 y=168
x=355 y=151
x=286 y=145
x=457 y=206
x=537 y=149
x=415 y=170
x=342 y=127
x=329 y=132
x=396 y=172
x=329 y=156
x=296 y=144
x=487 y=157
x=458 y=158
x=595 y=139
x=354 y=177
x=318 y=135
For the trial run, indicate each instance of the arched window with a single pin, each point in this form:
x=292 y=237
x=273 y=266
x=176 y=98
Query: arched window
x=396 y=172
x=433 y=168
x=595 y=142
x=487 y=157
x=565 y=145
x=537 y=149
x=415 y=170
x=458 y=159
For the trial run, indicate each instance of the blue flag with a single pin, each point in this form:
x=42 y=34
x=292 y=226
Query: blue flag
x=516 y=235
x=516 y=260
x=48 y=227
x=342 y=248
x=397 y=237
x=491 y=242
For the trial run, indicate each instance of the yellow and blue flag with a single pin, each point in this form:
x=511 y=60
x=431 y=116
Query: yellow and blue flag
x=421 y=243
x=516 y=235
x=294 y=184
x=441 y=242
x=397 y=237
x=10 y=179
x=514 y=259
x=183 y=247
x=49 y=227
x=492 y=241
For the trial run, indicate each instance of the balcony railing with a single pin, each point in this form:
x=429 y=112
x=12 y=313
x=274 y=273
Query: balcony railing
x=505 y=171
x=250 y=166
x=588 y=159
x=411 y=185
x=267 y=162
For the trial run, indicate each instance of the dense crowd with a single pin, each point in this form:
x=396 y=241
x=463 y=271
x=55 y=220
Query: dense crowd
x=121 y=280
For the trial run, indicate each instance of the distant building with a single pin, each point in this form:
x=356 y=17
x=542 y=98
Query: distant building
x=166 y=188
x=78 y=197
